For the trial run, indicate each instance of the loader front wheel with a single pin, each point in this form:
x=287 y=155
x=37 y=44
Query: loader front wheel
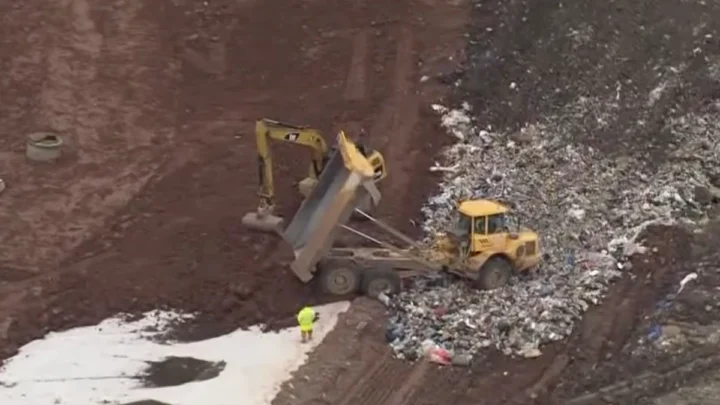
x=495 y=273
x=378 y=281
x=339 y=280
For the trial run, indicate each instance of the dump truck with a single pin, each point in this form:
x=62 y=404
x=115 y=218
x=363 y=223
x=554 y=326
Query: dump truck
x=268 y=131
x=484 y=246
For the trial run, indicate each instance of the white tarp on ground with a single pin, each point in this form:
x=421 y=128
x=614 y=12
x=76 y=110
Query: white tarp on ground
x=99 y=364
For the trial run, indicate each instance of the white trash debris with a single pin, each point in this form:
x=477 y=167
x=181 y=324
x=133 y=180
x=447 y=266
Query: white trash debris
x=690 y=277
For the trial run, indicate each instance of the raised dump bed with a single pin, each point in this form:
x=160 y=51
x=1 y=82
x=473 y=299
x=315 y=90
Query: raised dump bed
x=347 y=177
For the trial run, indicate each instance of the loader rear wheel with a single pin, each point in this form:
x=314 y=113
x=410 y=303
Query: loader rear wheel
x=377 y=281
x=495 y=273
x=339 y=280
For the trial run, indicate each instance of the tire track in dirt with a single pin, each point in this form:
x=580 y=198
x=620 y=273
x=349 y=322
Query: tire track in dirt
x=398 y=119
x=359 y=389
x=356 y=83
x=212 y=62
x=387 y=383
x=590 y=344
x=653 y=382
x=404 y=393
x=377 y=386
x=59 y=98
x=213 y=59
x=606 y=329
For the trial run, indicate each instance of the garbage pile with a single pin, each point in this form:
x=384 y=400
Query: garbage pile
x=588 y=208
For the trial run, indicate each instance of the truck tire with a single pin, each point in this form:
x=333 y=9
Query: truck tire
x=495 y=273
x=376 y=281
x=339 y=280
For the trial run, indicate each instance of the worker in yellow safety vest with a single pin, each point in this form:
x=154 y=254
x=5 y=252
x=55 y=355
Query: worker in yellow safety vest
x=305 y=319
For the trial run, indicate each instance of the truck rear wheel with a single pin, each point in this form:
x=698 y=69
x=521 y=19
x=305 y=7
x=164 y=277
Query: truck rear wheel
x=495 y=273
x=339 y=280
x=378 y=281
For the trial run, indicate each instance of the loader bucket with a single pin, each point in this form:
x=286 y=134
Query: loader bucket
x=311 y=232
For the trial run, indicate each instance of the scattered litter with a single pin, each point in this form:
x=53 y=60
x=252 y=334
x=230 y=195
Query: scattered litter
x=654 y=332
x=2 y=185
x=436 y=354
x=438 y=168
x=590 y=210
x=456 y=122
x=690 y=277
x=530 y=352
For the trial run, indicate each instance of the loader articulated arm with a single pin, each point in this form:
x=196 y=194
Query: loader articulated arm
x=267 y=130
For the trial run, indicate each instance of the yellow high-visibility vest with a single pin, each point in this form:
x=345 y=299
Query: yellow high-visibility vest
x=306 y=316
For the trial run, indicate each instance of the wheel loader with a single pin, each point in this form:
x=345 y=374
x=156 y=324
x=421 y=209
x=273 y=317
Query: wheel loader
x=267 y=130
x=484 y=246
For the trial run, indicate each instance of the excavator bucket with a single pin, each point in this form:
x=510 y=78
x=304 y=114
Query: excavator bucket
x=263 y=222
x=346 y=179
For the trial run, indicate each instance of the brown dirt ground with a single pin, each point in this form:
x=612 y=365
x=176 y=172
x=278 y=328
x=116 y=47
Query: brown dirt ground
x=157 y=103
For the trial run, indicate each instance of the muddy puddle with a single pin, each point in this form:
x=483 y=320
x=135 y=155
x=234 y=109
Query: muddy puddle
x=174 y=371
x=147 y=402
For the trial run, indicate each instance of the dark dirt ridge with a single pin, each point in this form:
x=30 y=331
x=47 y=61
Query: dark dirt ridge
x=557 y=51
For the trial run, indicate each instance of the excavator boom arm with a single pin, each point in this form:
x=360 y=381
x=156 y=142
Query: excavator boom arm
x=266 y=130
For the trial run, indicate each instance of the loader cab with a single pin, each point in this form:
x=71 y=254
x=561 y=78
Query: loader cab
x=484 y=226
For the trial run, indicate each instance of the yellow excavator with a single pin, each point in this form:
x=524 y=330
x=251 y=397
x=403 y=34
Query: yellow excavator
x=267 y=130
x=485 y=246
